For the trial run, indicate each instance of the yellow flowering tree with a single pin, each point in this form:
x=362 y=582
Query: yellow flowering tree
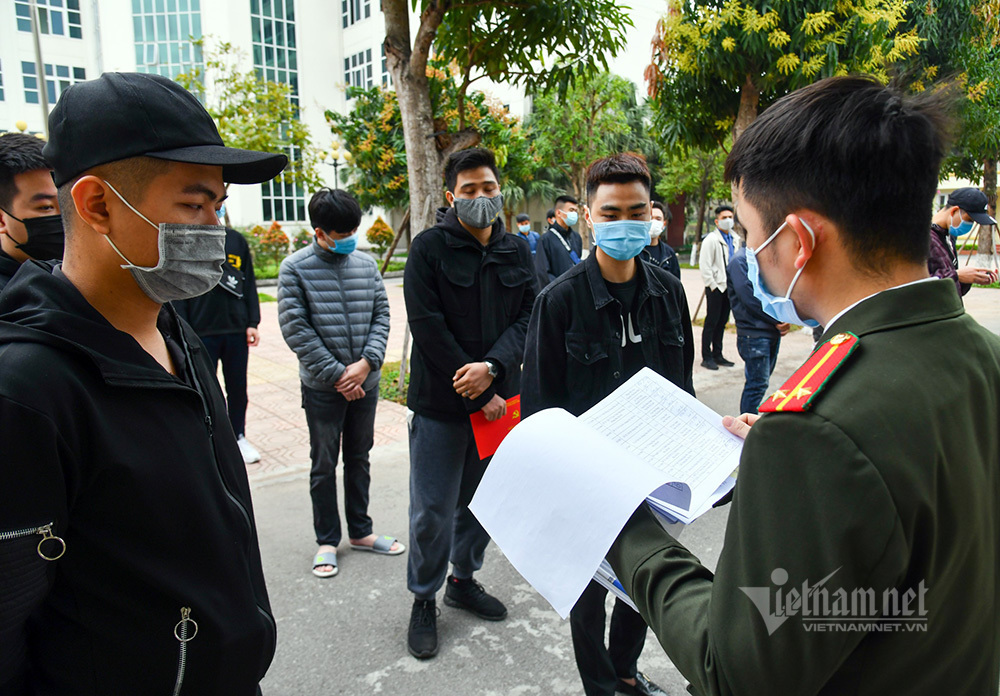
x=716 y=63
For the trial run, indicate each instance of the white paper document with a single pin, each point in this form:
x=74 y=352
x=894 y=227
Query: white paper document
x=559 y=489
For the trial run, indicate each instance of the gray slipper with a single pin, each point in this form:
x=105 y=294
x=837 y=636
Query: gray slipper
x=382 y=545
x=323 y=559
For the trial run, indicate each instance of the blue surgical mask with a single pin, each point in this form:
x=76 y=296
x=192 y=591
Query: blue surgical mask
x=622 y=239
x=343 y=246
x=963 y=228
x=524 y=228
x=572 y=218
x=779 y=308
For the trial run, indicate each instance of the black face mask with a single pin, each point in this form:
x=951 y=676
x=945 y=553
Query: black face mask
x=46 y=238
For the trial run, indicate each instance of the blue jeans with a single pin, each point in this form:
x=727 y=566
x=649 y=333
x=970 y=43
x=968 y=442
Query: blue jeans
x=445 y=471
x=759 y=355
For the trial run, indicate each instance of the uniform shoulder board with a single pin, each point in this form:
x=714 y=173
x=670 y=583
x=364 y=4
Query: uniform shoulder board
x=798 y=392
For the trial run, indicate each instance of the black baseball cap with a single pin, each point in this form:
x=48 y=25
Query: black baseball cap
x=122 y=115
x=972 y=201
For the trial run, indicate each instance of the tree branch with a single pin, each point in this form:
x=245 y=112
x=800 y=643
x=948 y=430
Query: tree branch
x=430 y=21
x=460 y=141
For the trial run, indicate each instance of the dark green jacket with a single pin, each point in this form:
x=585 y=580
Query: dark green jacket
x=891 y=478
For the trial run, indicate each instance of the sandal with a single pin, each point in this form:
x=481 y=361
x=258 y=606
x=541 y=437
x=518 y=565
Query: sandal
x=327 y=558
x=382 y=545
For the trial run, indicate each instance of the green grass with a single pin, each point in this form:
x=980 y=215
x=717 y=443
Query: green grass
x=264 y=297
x=387 y=385
x=687 y=265
x=267 y=271
x=395 y=266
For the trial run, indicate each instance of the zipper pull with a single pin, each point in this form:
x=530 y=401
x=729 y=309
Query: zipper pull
x=208 y=424
x=47 y=535
x=181 y=629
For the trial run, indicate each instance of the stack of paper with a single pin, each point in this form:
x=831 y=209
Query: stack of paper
x=560 y=488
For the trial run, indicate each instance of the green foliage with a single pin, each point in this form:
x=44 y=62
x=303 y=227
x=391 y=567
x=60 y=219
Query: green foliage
x=303 y=239
x=252 y=113
x=269 y=245
x=710 y=54
x=572 y=130
x=373 y=132
x=380 y=235
x=264 y=297
x=389 y=382
x=536 y=44
x=699 y=172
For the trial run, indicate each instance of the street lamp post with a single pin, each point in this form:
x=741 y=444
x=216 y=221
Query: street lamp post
x=335 y=159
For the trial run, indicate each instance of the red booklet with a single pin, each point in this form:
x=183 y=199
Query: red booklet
x=489 y=434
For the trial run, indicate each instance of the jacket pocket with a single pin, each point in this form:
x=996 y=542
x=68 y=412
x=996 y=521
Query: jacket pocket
x=457 y=294
x=184 y=631
x=585 y=350
x=50 y=547
x=513 y=279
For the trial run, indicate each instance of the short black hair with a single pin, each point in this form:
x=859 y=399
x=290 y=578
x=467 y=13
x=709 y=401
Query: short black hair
x=551 y=214
x=334 y=211
x=623 y=168
x=723 y=208
x=464 y=160
x=858 y=153
x=562 y=201
x=19 y=153
x=523 y=217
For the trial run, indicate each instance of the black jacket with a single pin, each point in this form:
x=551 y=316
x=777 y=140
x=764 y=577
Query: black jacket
x=750 y=317
x=139 y=472
x=221 y=311
x=573 y=354
x=465 y=303
x=551 y=257
x=664 y=256
x=8 y=267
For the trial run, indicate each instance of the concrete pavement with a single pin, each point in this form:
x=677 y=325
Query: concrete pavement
x=346 y=635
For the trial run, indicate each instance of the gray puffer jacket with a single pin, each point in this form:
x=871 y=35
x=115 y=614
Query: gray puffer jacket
x=333 y=311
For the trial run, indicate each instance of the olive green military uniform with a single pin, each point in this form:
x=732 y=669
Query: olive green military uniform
x=891 y=477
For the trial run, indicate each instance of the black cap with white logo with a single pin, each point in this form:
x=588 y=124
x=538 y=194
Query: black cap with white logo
x=122 y=115
x=972 y=201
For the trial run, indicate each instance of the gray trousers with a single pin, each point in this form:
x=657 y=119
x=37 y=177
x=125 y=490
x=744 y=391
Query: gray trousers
x=445 y=471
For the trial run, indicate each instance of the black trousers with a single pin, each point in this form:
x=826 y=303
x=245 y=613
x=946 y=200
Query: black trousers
x=716 y=316
x=601 y=667
x=330 y=418
x=232 y=349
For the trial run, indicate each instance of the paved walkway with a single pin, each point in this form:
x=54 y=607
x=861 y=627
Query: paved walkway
x=276 y=423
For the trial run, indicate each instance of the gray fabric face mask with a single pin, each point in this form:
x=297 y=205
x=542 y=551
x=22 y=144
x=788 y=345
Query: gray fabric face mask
x=479 y=213
x=191 y=258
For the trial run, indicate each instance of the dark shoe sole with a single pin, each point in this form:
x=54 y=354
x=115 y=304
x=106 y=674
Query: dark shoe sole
x=423 y=655
x=458 y=605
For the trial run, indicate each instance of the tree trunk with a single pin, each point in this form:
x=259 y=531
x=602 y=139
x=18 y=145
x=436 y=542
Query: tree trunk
x=749 y=101
x=408 y=67
x=404 y=227
x=990 y=189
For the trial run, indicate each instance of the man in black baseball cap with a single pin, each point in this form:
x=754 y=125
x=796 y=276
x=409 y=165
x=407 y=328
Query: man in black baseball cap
x=131 y=560
x=964 y=207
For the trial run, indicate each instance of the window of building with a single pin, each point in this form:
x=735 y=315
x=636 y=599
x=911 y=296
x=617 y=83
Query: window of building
x=356 y=10
x=275 y=58
x=163 y=33
x=57 y=78
x=56 y=17
x=386 y=77
x=358 y=69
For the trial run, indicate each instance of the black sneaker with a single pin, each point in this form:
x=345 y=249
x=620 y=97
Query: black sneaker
x=422 y=638
x=470 y=595
x=709 y=365
x=643 y=687
x=719 y=360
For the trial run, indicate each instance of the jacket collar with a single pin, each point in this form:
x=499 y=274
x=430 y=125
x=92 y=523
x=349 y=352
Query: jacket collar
x=599 y=288
x=910 y=305
x=564 y=231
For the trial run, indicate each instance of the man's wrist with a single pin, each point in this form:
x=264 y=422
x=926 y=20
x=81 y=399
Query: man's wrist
x=492 y=368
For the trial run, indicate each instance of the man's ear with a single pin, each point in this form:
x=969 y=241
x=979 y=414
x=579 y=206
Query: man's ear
x=3 y=222
x=450 y=197
x=810 y=229
x=586 y=216
x=90 y=196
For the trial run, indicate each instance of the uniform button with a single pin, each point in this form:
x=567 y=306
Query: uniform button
x=586 y=356
x=618 y=375
x=617 y=335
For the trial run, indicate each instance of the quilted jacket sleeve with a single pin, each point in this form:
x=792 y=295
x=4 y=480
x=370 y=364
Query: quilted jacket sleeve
x=378 y=335
x=298 y=331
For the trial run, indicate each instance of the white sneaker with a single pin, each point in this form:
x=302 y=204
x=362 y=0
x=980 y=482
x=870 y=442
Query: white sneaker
x=249 y=452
